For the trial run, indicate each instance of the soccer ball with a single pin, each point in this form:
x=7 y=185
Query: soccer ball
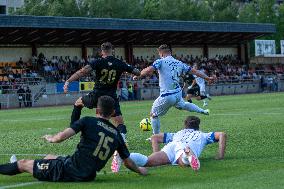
x=145 y=124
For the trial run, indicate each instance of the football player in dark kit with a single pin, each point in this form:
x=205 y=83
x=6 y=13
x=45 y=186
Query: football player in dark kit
x=193 y=88
x=99 y=140
x=108 y=70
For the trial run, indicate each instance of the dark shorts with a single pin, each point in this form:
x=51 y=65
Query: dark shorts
x=90 y=100
x=195 y=91
x=57 y=170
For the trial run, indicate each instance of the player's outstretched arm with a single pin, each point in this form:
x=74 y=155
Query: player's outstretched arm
x=202 y=75
x=77 y=75
x=147 y=71
x=222 y=138
x=136 y=72
x=156 y=140
x=59 y=137
x=133 y=167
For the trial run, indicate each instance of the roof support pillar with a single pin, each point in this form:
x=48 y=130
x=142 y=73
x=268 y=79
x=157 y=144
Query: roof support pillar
x=205 y=50
x=239 y=51
x=128 y=53
x=246 y=53
x=84 y=52
x=34 y=50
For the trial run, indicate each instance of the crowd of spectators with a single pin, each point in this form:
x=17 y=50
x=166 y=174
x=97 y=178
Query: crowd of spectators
x=14 y=75
x=227 y=69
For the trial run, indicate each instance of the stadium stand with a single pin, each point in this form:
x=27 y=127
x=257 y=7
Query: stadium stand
x=54 y=47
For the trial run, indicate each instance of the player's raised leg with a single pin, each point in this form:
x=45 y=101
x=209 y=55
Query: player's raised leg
x=191 y=107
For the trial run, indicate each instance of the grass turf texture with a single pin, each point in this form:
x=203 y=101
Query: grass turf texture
x=254 y=157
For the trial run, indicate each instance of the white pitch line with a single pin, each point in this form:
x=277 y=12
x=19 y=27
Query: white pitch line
x=35 y=119
x=24 y=154
x=20 y=184
x=238 y=114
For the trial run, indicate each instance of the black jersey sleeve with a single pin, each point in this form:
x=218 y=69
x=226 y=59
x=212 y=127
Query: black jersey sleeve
x=122 y=149
x=78 y=125
x=127 y=68
x=94 y=64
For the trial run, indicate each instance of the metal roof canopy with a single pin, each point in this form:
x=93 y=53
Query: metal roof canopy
x=93 y=31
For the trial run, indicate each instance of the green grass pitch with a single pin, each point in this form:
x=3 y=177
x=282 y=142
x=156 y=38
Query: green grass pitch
x=254 y=157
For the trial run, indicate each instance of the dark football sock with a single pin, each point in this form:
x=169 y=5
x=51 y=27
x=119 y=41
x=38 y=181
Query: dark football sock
x=122 y=128
x=9 y=169
x=190 y=101
x=203 y=97
x=76 y=113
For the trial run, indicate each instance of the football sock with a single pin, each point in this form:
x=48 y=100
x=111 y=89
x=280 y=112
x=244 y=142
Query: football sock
x=203 y=97
x=139 y=159
x=155 y=125
x=9 y=169
x=122 y=128
x=190 y=101
x=76 y=113
x=192 y=107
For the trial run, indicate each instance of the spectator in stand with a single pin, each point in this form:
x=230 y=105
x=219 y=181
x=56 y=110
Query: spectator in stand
x=135 y=90
x=20 y=63
x=130 y=90
x=28 y=94
x=21 y=96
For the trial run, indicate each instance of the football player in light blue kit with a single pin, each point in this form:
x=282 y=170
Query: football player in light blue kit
x=182 y=148
x=170 y=71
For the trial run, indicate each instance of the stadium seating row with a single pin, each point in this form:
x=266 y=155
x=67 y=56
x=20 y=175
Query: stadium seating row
x=11 y=64
x=20 y=71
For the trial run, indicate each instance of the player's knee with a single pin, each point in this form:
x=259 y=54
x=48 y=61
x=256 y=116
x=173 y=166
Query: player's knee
x=118 y=120
x=79 y=102
x=154 y=116
x=22 y=164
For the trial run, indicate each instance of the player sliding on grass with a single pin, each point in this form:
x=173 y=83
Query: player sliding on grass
x=182 y=148
x=108 y=71
x=99 y=140
x=170 y=70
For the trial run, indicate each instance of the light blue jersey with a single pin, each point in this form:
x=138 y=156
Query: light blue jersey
x=195 y=140
x=170 y=70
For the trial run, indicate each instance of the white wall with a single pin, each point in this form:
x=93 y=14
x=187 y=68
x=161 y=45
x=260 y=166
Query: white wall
x=187 y=51
x=213 y=51
x=49 y=52
x=144 y=52
x=13 y=54
x=119 y=51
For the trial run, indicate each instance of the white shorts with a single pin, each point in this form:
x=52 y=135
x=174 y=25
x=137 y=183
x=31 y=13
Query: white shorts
x=173 y=150
x=165 y=101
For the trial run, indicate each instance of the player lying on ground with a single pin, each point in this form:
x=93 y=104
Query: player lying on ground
x=193 y=89
x=170 y=70
x=99 y=140
x=182 y=148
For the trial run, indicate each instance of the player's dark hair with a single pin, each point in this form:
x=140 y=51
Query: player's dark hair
x=192 y=122
x=107 y=46
x=106 y=105
x=165 y=48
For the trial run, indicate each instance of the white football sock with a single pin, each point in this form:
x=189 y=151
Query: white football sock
x=139 y=159
x=155 y=125
x=192 y=107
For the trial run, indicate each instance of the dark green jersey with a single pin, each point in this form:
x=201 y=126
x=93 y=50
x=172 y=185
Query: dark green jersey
x=99 y=140
x=108 y=71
